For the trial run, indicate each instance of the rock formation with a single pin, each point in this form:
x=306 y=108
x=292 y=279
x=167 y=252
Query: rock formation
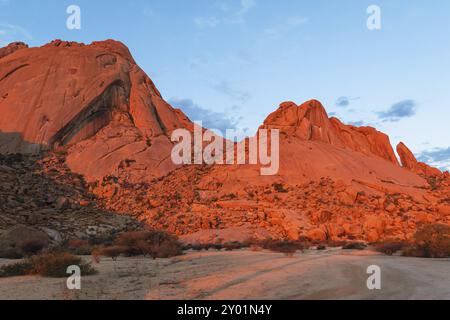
x=310 y=122
x=102 y=132
x=11 y=48
x=92 y=97
x=410 y=162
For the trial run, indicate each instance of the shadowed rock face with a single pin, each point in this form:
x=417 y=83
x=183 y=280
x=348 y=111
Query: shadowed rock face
x=93 y=98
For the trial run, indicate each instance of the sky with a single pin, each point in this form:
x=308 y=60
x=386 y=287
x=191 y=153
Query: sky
x=230 y=63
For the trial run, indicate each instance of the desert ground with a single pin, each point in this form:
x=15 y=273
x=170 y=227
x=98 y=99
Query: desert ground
x=244 y=275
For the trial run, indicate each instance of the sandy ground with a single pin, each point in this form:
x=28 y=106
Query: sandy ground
x=330 y=274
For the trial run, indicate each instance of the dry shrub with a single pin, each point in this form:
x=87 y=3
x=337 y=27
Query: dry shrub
x=76 y=243
x=157 y=244
x=390 y=248
x=230 y=246
x=430 y=241
x=287 y=247
x=15 y=270
x=79 y=247
x=112 y=252
x=354 y=246
x=53 y=265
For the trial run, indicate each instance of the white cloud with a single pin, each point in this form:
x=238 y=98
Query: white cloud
x=235 y=17
x=10 y=33
x=246 y=5
x=209 y=22
x=286 y=26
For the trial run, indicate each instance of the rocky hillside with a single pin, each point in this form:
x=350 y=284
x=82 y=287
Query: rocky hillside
x=43 y=194
x=100 y=132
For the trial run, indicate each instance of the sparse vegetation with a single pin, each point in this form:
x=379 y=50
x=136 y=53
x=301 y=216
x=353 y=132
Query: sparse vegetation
x=390 y=248
x=430 y=241
x=287 y=247
x=15 y=269
x=156 y=244
x=52 y=264
x=354 y=246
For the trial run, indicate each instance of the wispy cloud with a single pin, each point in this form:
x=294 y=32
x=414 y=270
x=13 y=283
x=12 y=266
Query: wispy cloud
x=437 y=157
x=400 y=110
x=286 y=26
x=211 y=119
x=230 y=17
x=246 y=6
x=234 y=93
x=10 y=33
x=345 y=101
x=207 y=22
x=356 y=123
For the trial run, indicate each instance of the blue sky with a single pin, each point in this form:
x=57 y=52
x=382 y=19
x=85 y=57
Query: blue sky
x=236 y=60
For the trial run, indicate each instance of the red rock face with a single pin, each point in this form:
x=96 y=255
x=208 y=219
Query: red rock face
x=11 y=48
x=410 y=162
x=93 y=98
x=103 y=117
x=310 y=121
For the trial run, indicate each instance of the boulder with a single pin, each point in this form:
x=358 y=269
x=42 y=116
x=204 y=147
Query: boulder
x=13 y=238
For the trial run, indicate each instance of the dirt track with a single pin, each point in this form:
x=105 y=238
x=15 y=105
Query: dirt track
x=331 y=274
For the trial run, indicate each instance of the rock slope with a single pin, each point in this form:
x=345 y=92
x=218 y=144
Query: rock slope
x=89 y=113
x=92 y=97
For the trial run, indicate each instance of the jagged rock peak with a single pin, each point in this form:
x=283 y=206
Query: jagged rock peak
x=310 y=121
x=410 y=162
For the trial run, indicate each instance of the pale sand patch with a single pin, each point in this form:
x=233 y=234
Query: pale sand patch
x=244 y=274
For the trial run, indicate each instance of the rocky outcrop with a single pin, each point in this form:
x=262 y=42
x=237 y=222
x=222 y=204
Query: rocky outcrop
x=107 y=131
x=410 y=162
x=11 y=48
x=93 y=99
x=310 y=122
